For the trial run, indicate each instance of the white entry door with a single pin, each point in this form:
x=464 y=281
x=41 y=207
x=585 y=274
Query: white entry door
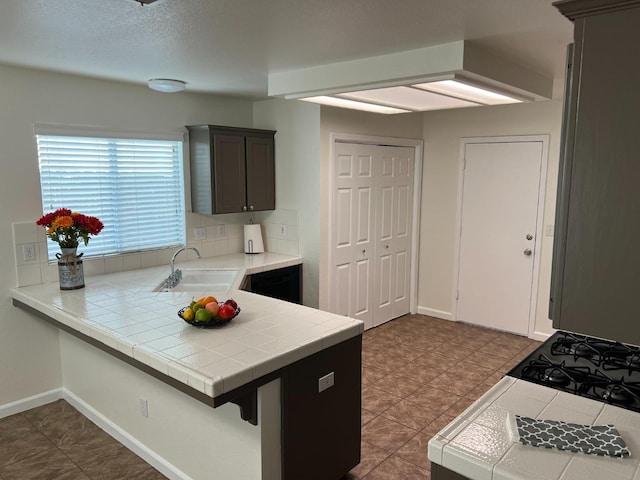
x=498 y=234
x=371 y=231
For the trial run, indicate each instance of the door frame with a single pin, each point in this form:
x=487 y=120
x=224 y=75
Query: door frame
x=418 y=149
x=542 y=188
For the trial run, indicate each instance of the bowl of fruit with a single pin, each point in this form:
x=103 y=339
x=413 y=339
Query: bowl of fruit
x=207 y=312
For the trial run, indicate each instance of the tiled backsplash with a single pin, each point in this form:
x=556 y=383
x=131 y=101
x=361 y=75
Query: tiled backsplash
x=223 y=235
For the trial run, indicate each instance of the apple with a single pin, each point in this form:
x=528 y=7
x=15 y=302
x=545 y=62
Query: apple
x=226 y=311
x=233 y=303
x=212 y=307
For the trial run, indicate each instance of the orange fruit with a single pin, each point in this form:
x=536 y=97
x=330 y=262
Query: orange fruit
x=208 y=299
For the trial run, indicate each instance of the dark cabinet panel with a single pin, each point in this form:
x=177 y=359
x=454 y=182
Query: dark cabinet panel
x=321 y=429
x=261 y=182
x=282 y=283
x=596 y=262
x=232 y=169
x=229 y=172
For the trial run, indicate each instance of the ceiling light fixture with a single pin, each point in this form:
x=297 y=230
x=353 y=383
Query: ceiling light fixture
x=166 y=85
x=354 y=105
x=451 y=75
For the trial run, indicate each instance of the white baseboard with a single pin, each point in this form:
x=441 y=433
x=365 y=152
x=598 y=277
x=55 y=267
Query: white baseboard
x=541 y=337
x=152 y=458
x=30 y=402
x=435 y=313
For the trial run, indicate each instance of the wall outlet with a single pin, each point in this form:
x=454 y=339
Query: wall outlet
x=283 y=230
x=222 y=231
x=325 y=382
x=548 y=230
x=144 y=407
x=200 y=233
x=29 y=252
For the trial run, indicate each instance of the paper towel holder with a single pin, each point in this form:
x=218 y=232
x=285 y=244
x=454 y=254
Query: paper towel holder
x=253 y=242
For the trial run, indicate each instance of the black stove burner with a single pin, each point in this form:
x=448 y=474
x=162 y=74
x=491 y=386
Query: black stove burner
x=617 y=394
x=577 y=364
x=633 y=361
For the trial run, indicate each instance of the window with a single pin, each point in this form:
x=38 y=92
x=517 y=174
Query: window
x=135 y=186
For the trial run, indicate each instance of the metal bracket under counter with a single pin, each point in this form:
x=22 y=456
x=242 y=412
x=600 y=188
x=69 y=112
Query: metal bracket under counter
x=246 y=396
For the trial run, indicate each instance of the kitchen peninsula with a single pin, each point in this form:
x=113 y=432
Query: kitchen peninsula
x=132 y=366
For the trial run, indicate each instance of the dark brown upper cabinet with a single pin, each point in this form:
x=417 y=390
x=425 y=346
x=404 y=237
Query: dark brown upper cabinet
x=596 y=259
x=232 y=169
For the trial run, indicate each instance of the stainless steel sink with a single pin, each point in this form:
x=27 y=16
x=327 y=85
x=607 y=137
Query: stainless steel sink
x=201 y=280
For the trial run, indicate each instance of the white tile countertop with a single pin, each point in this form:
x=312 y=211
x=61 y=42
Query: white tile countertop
x=121 y=311
x=478 y=446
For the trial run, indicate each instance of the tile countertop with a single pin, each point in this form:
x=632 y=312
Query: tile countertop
x=121 y=311
x=477 y=444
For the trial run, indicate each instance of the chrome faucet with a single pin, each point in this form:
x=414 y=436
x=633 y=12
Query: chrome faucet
x=176 y=275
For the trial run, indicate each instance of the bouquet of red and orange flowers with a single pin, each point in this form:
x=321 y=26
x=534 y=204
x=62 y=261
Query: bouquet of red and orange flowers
x=66 y=228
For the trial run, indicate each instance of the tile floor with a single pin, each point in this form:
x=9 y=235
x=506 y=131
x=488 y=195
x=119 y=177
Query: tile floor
x=418 y=374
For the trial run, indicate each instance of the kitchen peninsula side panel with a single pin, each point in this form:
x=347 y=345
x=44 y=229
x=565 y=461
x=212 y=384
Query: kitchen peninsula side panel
x=596 y=281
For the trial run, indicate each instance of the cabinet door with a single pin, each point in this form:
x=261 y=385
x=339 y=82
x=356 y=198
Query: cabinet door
x=229 y=173
x=601 y=258
x=261 y=191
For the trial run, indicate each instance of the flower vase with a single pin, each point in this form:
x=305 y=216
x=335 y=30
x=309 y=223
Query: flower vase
x=70 y=269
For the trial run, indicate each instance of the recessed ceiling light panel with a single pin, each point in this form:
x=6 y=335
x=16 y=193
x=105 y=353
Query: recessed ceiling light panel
x=355 y=105
x=166 y=85
x=408 y=98
x=458 y=89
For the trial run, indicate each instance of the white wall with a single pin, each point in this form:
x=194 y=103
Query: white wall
x=297 y=178
x=443 y=132
x=29 y=353
x=198 y=440
x=338 y=120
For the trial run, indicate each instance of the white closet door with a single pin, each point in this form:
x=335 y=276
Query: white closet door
x=394 y=201
x=352 y=216
x=371 y=231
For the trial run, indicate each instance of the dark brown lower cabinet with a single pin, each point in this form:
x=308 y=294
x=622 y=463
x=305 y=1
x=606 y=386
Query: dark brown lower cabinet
x=438 y=472
x=321 y=429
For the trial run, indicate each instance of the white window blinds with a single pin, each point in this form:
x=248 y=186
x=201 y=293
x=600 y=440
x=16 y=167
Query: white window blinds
x=134 y=186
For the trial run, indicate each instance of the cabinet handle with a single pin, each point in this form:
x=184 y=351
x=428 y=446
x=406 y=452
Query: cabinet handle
x=364 y=251
x=244 y=208
x=527 y=252
x=250 y=207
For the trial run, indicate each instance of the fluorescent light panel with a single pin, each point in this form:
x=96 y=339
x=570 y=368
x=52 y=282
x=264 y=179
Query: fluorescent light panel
x=408 y=98
x=355 y=105
x=468 y=92
x=439 y=95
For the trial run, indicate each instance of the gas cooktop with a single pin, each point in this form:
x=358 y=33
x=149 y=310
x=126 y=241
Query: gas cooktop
x=599 y=369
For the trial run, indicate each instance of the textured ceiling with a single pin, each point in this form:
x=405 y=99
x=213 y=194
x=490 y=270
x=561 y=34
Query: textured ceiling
x=230 y=46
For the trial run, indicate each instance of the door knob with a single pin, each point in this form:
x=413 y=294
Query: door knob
x=527 y=251
x=529 y=237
